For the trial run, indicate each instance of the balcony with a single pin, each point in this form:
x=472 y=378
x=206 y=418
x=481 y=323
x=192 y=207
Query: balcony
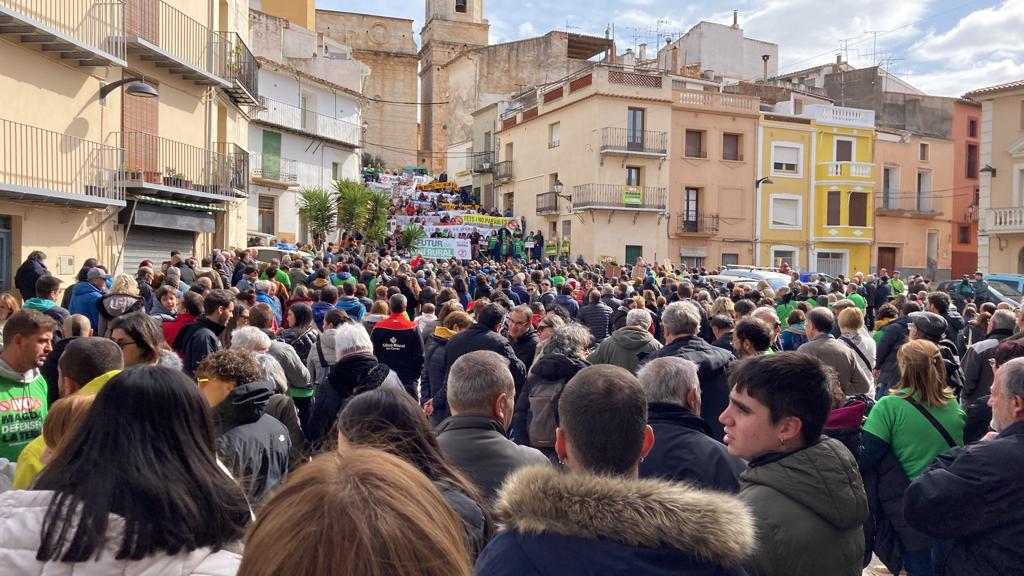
x=840 y=116
x=846 y=170
x=695 y=223
x=242 y=71
x=307 y=122
x=634 y=142
x=1004 y=220
x=547 y=203
x=619 y=197
x=239 y=160
x=503 y=171
x=85 y=32
x=157 y=32
x=907 y=205
x=163 y=167
x=716 y=102
x=274 y=171
x=44 y=166
x=483 y=162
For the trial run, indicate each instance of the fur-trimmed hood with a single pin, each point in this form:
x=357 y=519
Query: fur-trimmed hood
x=647 y=513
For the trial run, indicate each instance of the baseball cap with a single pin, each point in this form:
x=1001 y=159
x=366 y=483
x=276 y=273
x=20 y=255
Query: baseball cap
x=95 y=273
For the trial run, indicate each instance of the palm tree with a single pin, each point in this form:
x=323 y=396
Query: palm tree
x=410 y=235
x=352 y=199
x=319 y=208
x=377 y=205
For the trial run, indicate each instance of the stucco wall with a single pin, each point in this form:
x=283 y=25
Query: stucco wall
x=60 y=231
x=724 y=50
x=786 y=185
x=965 y=255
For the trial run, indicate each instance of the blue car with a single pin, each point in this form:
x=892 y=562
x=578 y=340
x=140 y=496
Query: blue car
x=1015 y=281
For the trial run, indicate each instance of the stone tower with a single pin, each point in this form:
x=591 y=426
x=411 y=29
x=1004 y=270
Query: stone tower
x=450 y=27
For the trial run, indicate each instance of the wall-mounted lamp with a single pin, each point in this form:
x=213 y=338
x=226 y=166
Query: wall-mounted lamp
x=136 y=87
x=988 y=169
x=759 y=181
x=558 y=187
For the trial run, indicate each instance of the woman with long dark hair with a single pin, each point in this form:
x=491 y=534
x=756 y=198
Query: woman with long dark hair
x=136 y=490
x=389 y=420
x=142 y=342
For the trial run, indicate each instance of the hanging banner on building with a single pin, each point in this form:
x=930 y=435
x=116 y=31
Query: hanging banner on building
x=443 y=248
x=490 y=221
x=632 y=195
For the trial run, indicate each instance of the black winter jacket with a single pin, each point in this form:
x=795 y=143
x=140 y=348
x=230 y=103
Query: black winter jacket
x=26 y=276
x=432 y=382
x=197 y=341
x=525 y=347
x=252 y=444
x=894 y=335
x=550 y=369
x=479 y=337
x=350 y=376
x=596 y=317
x=974 y=496
x=301 y=340
x=712 y=364
x=886 y=532
x=684 y=451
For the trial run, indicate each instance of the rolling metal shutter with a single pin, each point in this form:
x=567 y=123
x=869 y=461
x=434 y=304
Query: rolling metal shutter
x=145 y=243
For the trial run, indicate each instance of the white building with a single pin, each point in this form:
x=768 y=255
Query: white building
x=720 y=51
x=307 y=131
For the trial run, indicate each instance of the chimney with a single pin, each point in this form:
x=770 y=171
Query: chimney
x=765 y=58
x=675 y=59
x=642 y=56
x=839 y=58
x=736 y=19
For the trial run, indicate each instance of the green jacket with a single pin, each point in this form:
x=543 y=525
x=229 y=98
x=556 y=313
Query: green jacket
x=858 y=300
x=623 y=348
x=965 y=290
x=784 y=310
x=980 y=290
x=23 y=405
x=897 y=286
x=809 y=507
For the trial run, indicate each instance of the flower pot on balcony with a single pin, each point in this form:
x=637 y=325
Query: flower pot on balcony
x=136 y=175
x=94 y=191
x=187 y=184
x=168 y=180
x=152 y=177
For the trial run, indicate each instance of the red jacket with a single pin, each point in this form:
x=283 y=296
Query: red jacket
x=396 y=322
x=172 y=328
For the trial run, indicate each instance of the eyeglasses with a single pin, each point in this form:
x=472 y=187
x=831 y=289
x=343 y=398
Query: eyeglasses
x=122 y=344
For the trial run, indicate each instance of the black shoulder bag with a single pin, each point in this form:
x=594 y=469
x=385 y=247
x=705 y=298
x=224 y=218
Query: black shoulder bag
x=931 y=419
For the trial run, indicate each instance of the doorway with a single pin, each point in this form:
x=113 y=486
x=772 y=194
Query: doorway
x=632 y=253
x=887 y=258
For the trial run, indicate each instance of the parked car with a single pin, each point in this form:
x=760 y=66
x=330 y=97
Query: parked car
x=774 y=279
x=811 y=277
x=998 y=291
x=1015 y=281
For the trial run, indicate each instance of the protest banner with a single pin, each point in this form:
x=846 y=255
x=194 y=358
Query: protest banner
x=443 y=248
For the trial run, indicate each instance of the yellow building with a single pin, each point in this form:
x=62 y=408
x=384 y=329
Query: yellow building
x=786 y=147
x=95 y=164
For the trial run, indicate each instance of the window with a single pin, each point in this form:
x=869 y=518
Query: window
x=633 y=176
x=566 y=229
x=858 y=209
x=972 y=160
x=510 y=203
x=785 y=160
x=730 y=259
x=270 y=161
x=964 y=234
x=553 y=136
x=890 y=187
x=732 y=144
x=972 y=128
x=692 y=262
x=784 y=211
x=691 y=210
x=924 y=151
x=782 y=256
x=552 y=230
x=924 y=191
x=834 y=201
x=844 y=150
x=335 y=170
x=460 y=6
x=635 y=129
x=308 y=119
x=695 y=144
x=832 y=263
x=266 y=214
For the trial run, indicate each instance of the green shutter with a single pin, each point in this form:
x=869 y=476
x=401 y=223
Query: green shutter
x=271 y=155
x=632 y=253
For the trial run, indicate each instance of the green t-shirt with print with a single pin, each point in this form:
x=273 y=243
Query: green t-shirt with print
x=22 y=411
x=913 y=439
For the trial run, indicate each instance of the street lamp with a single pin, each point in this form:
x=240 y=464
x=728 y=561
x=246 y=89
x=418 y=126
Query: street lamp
x=765 y=180
x=988 y=169
x=558 y=187
x=136 y=87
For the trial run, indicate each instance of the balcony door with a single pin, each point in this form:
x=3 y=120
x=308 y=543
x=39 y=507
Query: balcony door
x=691 y=209
x=635 y=129
x=844 y=150
x=271 y=158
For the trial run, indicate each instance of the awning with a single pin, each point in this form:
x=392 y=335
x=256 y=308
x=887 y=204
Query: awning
x=177 y=204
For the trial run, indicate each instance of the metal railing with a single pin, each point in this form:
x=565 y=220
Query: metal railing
x=178 y=34
x=241 y=64
x=628 y=140
x=307 y=121
x=619 y=197
x=483 y=162
x=503 y=170
x=547 y=203
x=274 y=168
x=239 y=159
x=98 y=25
x=42 y=160
x=155 y=160
x=691 y=222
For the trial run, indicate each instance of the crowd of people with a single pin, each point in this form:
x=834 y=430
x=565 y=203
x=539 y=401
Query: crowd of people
x=359 y=411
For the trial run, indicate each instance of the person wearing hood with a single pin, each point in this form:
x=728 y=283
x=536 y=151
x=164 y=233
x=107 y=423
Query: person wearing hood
x=28 y=337
x=433 y=382
x=87 y=295
x=804 y=489
x=932 y=327
x=86 y=366
x=197 y=341
x=533 y=421
x=684 y=450
x=349 y=304
x=627 y=346
x=165 y=305
x=978 y=371
x=253 y=445
x=45 y=301
x=32 y=269
x=597 y=517
x=122 y=298
x=681 y=321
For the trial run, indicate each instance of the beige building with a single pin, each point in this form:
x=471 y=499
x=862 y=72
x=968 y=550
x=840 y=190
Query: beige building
x=1001 y=226
x=387 y=47
x=583 y=161
x=913 y=204
x=126 y=175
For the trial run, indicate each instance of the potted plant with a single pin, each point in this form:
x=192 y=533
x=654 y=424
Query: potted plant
x=170 y=174
x=153 y=176
x=179 y=180
x=124 y=172
x=137 y=173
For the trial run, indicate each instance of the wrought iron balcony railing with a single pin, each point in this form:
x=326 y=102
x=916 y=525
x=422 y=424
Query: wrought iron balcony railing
x=304 y=121
x=88 y=31
x=194 y=171
x=691 y=222
x=483 y=162
x=171 y=39
x=503 y=171
x=239 y=159
x=274 y=168
x=242 y=70
x=619 y=197
x=547 y=203
x=625 y=140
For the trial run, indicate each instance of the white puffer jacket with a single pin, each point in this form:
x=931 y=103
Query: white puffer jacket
x=21 y=525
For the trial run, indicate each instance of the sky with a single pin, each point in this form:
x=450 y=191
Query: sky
x=944 y=47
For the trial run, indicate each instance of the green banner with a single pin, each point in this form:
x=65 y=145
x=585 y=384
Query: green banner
x=564 y=248
x=551 y=248
x=632 y=195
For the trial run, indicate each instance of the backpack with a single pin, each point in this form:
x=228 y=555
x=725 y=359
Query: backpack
x=543 y=399
x=325 y=368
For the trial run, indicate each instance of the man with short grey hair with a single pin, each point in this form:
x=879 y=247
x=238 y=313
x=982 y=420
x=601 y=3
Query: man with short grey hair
x=683 y=450
x=628 y=345
x=481 y=396
x=681 y=324
x=976 y=366
x=973 y=496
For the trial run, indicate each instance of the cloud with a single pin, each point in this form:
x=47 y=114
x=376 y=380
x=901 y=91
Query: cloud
x=959 y=81
x=526 y=30
x=987 y=34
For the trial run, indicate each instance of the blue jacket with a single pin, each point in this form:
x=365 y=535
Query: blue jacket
x=320 y=309
x=264 y=298
x=569 y=303
x=353 y=307
x=84 y=300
